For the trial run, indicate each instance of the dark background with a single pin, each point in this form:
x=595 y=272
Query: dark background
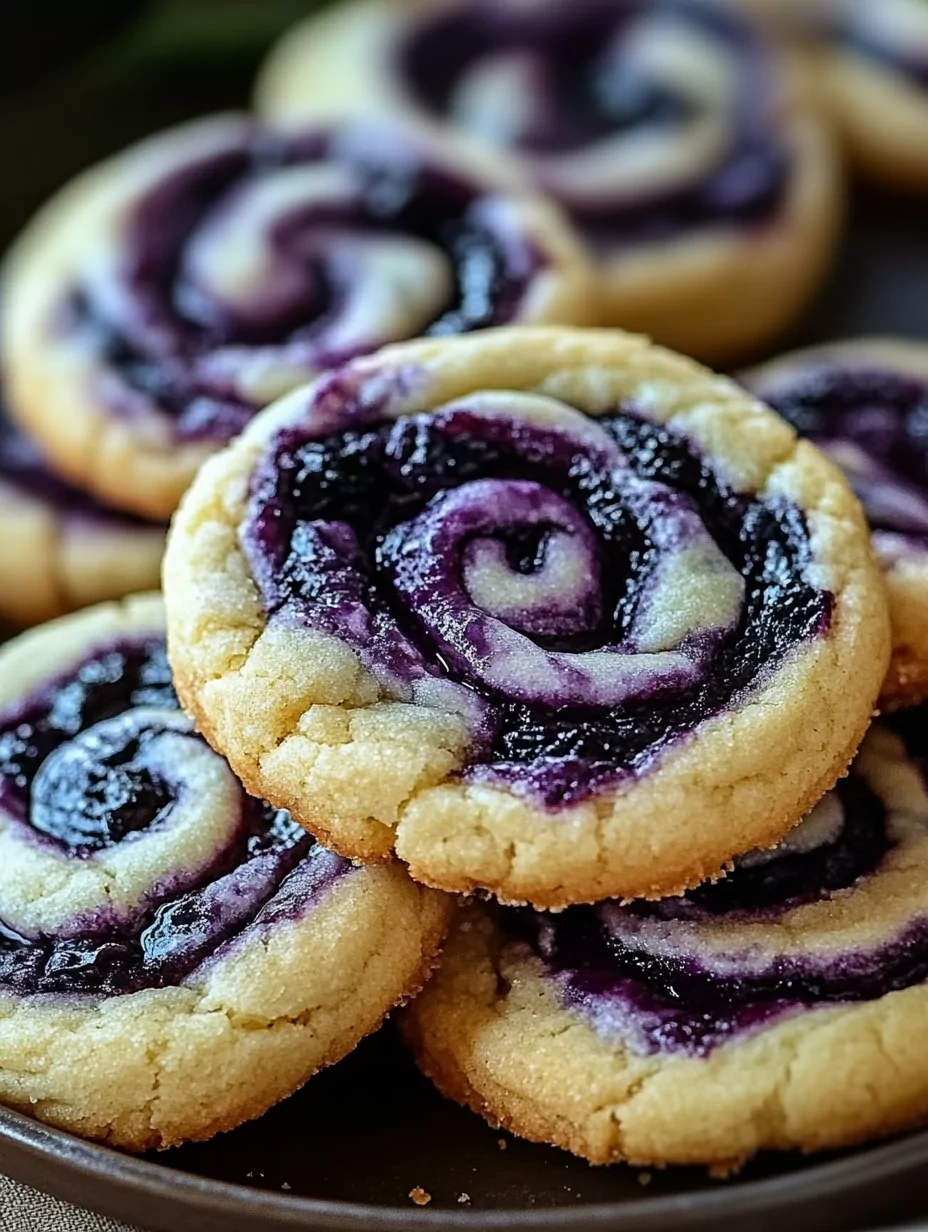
x=79 y=79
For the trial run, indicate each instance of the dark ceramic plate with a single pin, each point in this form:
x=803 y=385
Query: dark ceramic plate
x=344 y=1153
x=360 y=1136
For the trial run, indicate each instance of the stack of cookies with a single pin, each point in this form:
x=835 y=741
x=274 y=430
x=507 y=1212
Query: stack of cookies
x=575 y=628
x=176 y=956
x=505 y=653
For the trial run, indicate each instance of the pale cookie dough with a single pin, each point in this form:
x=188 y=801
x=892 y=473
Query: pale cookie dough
x=60 y=550
x=782 y=1008
x=865 y=403
x=176 y=956
x=554 y=613
x=875 y=72
x=163 y=297
x=686 y=146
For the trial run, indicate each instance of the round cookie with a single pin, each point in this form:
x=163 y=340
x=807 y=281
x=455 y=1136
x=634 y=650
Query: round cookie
x=162 y=298
x=780 y=1008
x=677 y=137
x=175 y=956
x=875 y=70
x=865 y=403
x=59 y=549
x=554 y=613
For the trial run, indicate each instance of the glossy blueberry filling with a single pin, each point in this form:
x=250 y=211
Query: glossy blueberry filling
x=680 y=1010
x=99 y=788
x=678 y=1002
x=119 y=677
x=791 y=879
x=181 y=337
x=370 y=534
x=22 y=468
x=83 y=799
x=585 y=91
x=875 y=424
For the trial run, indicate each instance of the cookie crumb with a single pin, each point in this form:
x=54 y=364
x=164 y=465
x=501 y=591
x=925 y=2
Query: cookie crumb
x=464 y=1197
x=420 y=1196
x=644 y=1178
x=502 y=1143
x=723 y=1169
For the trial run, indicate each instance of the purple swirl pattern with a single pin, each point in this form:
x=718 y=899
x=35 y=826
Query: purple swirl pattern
x=643 y=119
x=255 y=258
x=583 y=591
x=872 y=419
x=130 y=854
x=833 y=915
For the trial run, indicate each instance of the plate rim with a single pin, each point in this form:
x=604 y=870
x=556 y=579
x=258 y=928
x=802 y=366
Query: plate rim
x=175 y=1189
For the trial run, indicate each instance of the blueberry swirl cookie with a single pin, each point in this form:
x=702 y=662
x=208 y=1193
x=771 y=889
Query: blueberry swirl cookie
x=555 y=613
x=60 y=549
x=678 y=139
x=865 y=403
x=779 y=1008
x=876 y=75
x=175 y=956
x=165 y=296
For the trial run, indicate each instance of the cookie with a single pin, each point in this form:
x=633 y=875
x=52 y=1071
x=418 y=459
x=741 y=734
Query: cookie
x=789 y=19
x=780 y=1008
x=162 y=298
x=875 y=71
x=59 y=549
x=554 y=613
x=865 y=403
x=675 y=134
x=175 y=956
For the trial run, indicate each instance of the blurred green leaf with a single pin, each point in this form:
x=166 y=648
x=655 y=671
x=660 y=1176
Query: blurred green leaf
x=175 y=31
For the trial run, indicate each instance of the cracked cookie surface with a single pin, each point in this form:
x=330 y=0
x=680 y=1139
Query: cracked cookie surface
x=865 y=403
x=779 y=1008
x=175 y=956
x=556 y=613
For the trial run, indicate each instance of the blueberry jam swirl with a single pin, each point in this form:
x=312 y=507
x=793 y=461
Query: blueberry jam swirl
x=814 y=921
x=262 y=257
x=130 y=854
x=873 y=422
x=892 y=35
x=644 y=119
x=584 y=592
